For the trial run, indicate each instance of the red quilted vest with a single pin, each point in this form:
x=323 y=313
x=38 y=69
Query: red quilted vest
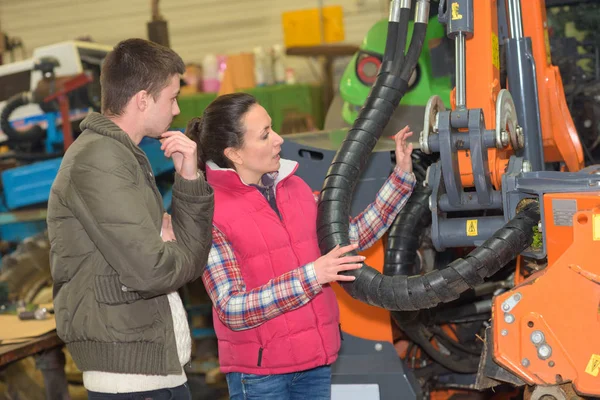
x=267 y=247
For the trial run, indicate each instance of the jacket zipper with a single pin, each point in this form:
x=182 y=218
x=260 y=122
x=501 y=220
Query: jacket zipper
x=260 y=351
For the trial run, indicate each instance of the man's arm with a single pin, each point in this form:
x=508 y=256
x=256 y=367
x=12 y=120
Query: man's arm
x=110 y=206
x=239 y=308
x=192 y=209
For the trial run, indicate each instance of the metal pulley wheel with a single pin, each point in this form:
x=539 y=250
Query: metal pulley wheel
x=507 y=129
x=430 y=123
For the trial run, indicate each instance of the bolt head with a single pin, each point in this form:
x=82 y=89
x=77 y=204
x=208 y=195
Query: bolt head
x=506 y=306
x=525 y=362
x=378 y=347
x=504 y=332
x=505 y=138
x=520 y=137
x=537 y=337
x=509 y=318
x=544 y=351
x=517 y=297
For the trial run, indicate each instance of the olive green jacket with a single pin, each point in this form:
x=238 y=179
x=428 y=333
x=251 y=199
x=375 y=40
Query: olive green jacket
x=110 y=266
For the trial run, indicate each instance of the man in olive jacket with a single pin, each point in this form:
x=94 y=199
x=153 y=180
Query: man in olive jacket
x=117 y=260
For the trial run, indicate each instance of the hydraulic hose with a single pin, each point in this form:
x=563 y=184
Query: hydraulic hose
x=403 y=18
x=409 y=293
x=404 y=240
x=351 y=158
x=402 y=292
x=391 y=38
x=33 y=134
x=406 y=232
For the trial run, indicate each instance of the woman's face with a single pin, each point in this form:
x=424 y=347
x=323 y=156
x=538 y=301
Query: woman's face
x=260 y=152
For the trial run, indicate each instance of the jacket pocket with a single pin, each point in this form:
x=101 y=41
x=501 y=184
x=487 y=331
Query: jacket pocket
x=109 y=290
x=126 y=314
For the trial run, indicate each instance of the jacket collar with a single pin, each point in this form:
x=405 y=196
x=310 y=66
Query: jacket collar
x=101 y=125
x=229 y=178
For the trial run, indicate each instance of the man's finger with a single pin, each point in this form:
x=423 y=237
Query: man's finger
x=168 y=134
x=179 y=147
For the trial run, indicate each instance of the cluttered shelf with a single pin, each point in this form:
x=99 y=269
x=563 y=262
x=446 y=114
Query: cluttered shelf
x=293 y=107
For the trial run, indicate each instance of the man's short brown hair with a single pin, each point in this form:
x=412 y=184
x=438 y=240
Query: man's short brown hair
x=134 y=65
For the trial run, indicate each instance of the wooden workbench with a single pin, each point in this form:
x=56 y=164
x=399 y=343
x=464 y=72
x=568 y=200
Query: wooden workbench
x=49 y=359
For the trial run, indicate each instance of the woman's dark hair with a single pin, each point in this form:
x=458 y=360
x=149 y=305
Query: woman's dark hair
x=220 y=127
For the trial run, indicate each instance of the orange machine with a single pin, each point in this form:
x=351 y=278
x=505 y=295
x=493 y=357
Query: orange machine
x=545 y=331
x=547 y=328
x=560 y=140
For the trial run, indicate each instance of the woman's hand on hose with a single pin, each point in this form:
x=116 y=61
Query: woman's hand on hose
x=328 y=266
x=404 y=150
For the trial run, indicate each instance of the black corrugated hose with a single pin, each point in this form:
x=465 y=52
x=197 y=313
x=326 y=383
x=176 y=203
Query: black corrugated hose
x=404 y=240
x=401 y=292
x=406 y=232
x=33 y=134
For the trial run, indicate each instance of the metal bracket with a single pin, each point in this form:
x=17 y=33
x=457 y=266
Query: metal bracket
x=430 y=123
x=507 y=129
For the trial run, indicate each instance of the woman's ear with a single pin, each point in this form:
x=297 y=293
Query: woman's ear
x=233 y=155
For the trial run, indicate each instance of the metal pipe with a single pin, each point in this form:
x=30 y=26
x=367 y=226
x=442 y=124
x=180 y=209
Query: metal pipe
x=461 y=77
x=405 y=4
x=515 y=19
x=422 y=12
x=465 y=232
x=395 y=10
x=469 y=202
x=468 y=310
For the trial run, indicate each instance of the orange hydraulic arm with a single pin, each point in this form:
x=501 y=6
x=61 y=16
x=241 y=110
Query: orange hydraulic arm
x=483 y=85
x=560 y=139
x=561 y=142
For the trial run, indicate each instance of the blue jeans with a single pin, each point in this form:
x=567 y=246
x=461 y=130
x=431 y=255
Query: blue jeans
x=177 y=393
x=314 y=384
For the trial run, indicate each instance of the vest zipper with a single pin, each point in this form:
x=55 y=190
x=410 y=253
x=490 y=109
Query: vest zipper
x=260 y=350
x=326 y=356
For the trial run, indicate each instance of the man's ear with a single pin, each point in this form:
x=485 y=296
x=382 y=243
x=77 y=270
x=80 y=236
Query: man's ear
x=233 y=155
x=142 y=99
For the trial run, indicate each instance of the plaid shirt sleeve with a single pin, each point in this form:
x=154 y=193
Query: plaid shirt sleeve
x=239 y=308
x=368 y=227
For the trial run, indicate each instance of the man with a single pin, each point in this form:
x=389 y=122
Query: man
x=115 y=277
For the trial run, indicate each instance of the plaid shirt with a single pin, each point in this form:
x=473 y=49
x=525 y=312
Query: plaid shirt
x=240 y=309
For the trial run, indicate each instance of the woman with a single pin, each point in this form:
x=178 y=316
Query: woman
x=275 y=314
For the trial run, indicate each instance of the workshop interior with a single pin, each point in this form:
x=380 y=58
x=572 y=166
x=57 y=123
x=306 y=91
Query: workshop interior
x=484 y=287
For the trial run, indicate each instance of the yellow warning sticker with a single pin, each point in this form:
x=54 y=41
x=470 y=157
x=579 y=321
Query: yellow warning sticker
x=456 y=12
x=593 y=367
x=471 y=227
x=495 y=52
x=596 y=226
